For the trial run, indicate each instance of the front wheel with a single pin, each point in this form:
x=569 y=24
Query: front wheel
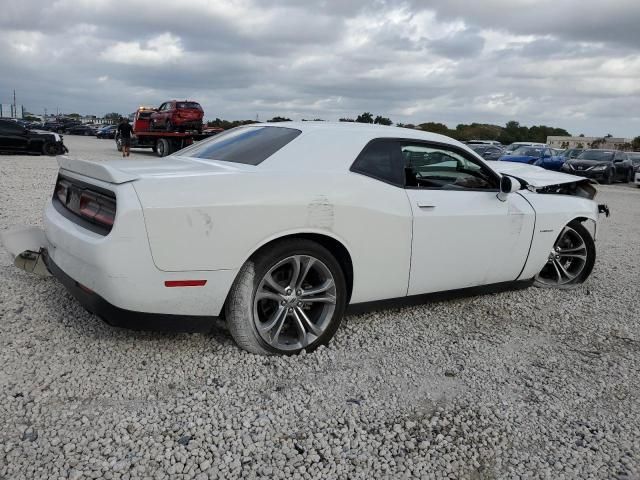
x=287 y=298
x=571 y=259
x=49 y=148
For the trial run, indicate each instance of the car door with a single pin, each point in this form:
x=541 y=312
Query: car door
x=13 y=137
x=463 y=235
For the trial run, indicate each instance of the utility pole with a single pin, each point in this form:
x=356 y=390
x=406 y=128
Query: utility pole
x=15 y=106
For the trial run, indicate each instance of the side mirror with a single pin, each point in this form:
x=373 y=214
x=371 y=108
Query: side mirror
x=508 y=185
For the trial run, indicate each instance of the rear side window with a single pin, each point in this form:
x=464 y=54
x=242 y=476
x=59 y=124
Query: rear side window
x=188 y=105
x=248 y=145
x=381 y=160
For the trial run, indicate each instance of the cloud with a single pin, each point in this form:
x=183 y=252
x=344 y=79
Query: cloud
x=161 y=50
x=573 y=63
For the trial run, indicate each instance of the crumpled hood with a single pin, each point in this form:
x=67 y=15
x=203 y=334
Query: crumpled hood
x=534 y=176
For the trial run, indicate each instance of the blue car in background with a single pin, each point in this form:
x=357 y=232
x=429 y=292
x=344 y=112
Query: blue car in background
x=540 y=156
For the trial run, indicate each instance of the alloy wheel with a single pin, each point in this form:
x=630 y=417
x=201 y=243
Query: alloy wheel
x=294 y=302
x=566 y=261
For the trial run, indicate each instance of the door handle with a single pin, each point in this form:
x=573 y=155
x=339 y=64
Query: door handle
x=425 y=205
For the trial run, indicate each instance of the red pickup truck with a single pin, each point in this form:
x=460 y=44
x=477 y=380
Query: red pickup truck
x=178 y=115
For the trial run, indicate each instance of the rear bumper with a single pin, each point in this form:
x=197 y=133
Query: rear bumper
x=119 y=317
x=119 y=267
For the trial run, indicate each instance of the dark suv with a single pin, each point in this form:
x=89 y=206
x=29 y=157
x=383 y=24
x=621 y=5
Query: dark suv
x=178 y=115
x=14 y=138
x=606 y=166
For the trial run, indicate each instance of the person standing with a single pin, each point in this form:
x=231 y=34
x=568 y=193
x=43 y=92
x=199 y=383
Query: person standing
x=124 y=134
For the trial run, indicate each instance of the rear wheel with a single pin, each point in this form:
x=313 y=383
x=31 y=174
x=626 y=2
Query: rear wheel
x=608 y=178
x=288 y=298
x=168 y=126
x=163 y=148
x=571 y=259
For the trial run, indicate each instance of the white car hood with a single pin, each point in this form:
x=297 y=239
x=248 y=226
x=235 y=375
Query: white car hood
x=534 y=176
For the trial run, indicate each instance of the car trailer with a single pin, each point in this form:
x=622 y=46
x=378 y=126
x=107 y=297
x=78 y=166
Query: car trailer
x=162 y=143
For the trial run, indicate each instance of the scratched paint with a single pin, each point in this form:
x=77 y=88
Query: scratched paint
x=207 y=221
x=320 y=213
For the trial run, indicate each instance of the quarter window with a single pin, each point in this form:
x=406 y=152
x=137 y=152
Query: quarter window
x=380 y=160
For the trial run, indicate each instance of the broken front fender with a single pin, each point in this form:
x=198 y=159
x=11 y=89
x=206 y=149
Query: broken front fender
x=26 y=245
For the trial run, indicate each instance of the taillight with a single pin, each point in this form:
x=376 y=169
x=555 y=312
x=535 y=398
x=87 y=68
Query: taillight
x=62 y=190
x=86 y=201
x=97 y=208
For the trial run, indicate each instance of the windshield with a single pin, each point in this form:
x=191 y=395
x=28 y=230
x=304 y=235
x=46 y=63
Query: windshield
x=600 y=155
x=248 y=145
x=527 y=151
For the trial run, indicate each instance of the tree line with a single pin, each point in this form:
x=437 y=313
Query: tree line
x=511 y=132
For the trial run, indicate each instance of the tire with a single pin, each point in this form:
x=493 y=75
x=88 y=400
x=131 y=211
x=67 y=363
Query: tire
x=168 y=126
x=288 y=310
x=49 y=148
x=86 y=134
x=572 y=269
x=630 y=175
x=163 y=148
x=608 y=179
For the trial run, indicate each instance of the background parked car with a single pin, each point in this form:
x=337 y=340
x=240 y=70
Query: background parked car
x=540 y=156
x=85 y=130
x=635 y=159
x=107 y=132
x=511 y=147
x=606 y=166
x=178 y=115
x=572 y=153
x=488 y=152
x=484 y=142
x=15 y=138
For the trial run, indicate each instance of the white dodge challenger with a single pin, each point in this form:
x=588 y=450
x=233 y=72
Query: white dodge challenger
x=278 y=228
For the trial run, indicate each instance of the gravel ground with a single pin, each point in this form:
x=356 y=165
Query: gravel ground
x=529 y=384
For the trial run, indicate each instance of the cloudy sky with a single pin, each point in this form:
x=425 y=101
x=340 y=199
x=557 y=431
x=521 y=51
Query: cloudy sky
x=568 y=63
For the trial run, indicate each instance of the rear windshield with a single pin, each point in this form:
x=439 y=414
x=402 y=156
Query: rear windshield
x=188 y=105
x=600 y=155
x=248 y=145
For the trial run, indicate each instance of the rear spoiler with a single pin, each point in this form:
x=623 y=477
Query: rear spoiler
x=97 y=170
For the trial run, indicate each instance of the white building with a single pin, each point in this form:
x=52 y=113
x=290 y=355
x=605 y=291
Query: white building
x=9 y=110
x=613 y=143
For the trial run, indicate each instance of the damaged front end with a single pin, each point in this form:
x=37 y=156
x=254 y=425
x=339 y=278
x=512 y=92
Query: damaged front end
x=543 y=181
x=584 y=188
